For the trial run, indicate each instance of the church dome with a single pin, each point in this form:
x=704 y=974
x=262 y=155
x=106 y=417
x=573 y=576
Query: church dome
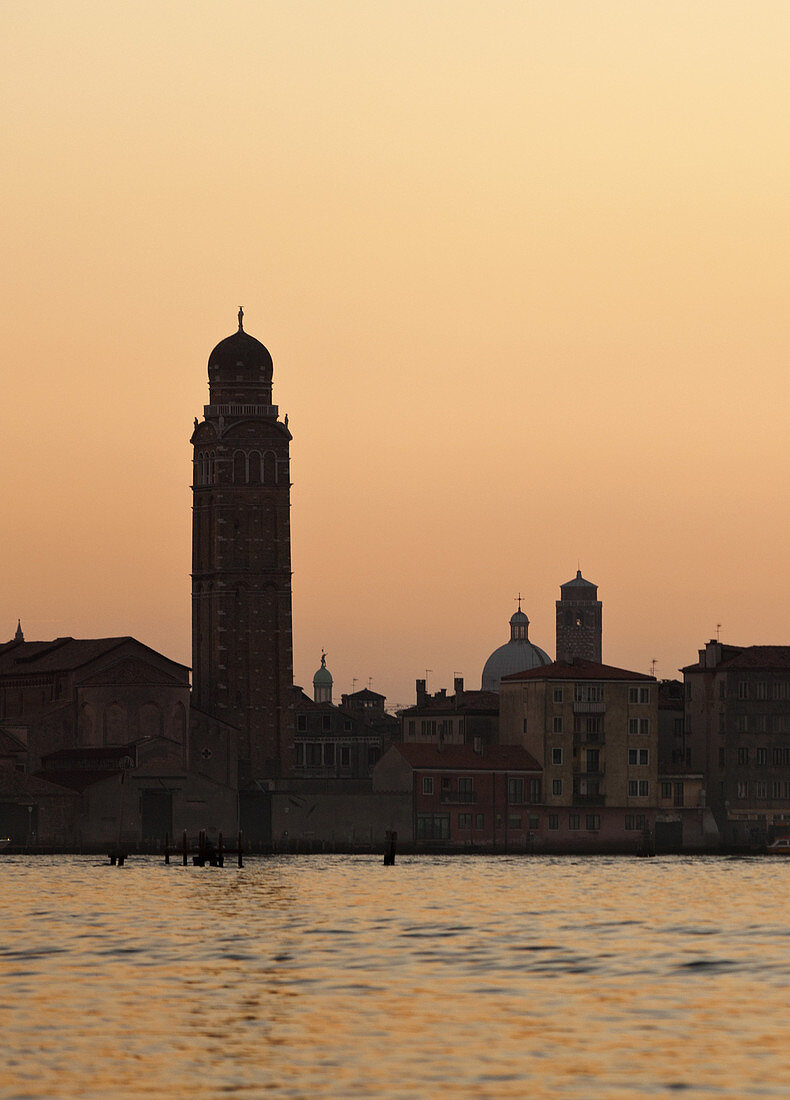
x=517 y=655
x=322 y=683
x=241 y=351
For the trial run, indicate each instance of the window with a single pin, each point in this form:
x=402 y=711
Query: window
x=556 y=786
x=557 y=695
x=374 y=752
x=722 y=689
x=762 y=690
x=554 y=821
x=721 y=758
x=534 y=790
x=666 y=790
x=464 y=821
x=678 y=794
x=556 y=756
x=742 y=724
x=466 y=789
x=574 y=821
x=329 y=753
x=412 y=724
x=638 y=788
x=301 y=722
x=639 y=695
x=445 y=782
x=515 y=791
x=427 y=784
x=635 y=821
x=591 y=725
x=534 y=823
x=743 y=790
x=588 y=693
x=638 y=756
x=776 y=789
x=479 y=821
x=593 y=821
x=761 y=757
x=347 y=725
x=592 y=760
x=433 y=826
x=514 y=821
x=299 y=754
x=345 y=757
x=639 y=726
x=644 y=788
x=761 y=790
x=326 y=722
x=743 y=689
x=743 y=756
x=557 y=724
x=314 y=754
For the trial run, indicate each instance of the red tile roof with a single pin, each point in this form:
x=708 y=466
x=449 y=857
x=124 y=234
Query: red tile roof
x=577 y=670
x=493 y=758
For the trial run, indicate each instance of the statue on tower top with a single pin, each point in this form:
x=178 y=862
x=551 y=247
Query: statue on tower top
x=241 y=318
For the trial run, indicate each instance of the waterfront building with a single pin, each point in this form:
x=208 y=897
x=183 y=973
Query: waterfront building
x=241 y=559
x=594 y=730
x=737 y=734
x=461 y=797
x=465 y=717
x=517 y=654
x=579 y=621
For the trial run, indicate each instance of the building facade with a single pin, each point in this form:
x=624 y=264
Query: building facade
x=737 y=734
x=463 y=718
x=241 y=558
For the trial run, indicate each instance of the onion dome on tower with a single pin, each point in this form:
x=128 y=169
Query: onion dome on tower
x=322 y=683
x=517 y=655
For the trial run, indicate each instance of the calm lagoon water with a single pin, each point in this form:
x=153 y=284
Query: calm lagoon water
x=448 y=977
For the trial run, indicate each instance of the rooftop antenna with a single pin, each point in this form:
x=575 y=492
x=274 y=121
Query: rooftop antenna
x=653 y=664
x=353 y=685
x=370 y=682
x=718 y=632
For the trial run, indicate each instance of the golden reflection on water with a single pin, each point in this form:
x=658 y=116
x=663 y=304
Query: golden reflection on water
x=336 y=976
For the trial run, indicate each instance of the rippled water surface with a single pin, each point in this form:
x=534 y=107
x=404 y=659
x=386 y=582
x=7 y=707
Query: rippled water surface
x=337 y=976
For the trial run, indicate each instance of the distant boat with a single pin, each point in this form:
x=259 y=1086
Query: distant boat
x=779 y=847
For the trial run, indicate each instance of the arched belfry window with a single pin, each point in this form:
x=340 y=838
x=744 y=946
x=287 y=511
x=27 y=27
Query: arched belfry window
x=210 y=479
x=240 y=468
x=255 y=468
x=270 y=468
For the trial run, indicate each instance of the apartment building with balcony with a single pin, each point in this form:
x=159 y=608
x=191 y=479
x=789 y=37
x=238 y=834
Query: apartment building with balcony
x=594 y=730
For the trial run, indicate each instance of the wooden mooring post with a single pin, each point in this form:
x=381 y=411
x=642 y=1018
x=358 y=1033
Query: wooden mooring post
x=241 y=859
x=185 y=848
x=390 y=845
x=167 y=848
x=220 y=852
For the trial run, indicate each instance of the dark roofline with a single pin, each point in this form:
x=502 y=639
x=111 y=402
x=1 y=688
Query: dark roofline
x=578 y=670
x=60 y=643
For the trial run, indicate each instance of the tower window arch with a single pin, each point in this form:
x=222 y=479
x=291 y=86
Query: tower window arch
x=255 y=468
x=270 y=468
x=240 y=468
x=210 y=471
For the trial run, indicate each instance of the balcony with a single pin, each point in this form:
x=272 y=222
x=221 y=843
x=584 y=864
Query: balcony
x=589 y=799
x=587 y=739
x=580 y=707
x=240 y=410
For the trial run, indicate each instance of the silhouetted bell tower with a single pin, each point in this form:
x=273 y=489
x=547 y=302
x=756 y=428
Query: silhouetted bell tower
x=241 y=557
x=579 y=621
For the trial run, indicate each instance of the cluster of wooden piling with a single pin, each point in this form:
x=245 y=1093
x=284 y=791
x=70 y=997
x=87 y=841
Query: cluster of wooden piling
x=207 y=853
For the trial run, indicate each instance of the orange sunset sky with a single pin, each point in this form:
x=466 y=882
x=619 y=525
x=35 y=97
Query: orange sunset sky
x=523 y=270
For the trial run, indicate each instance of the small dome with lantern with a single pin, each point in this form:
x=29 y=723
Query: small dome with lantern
x=322 y=683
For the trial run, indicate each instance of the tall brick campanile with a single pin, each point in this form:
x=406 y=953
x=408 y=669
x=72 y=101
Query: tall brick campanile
x=579 y=621
x=241 y=558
